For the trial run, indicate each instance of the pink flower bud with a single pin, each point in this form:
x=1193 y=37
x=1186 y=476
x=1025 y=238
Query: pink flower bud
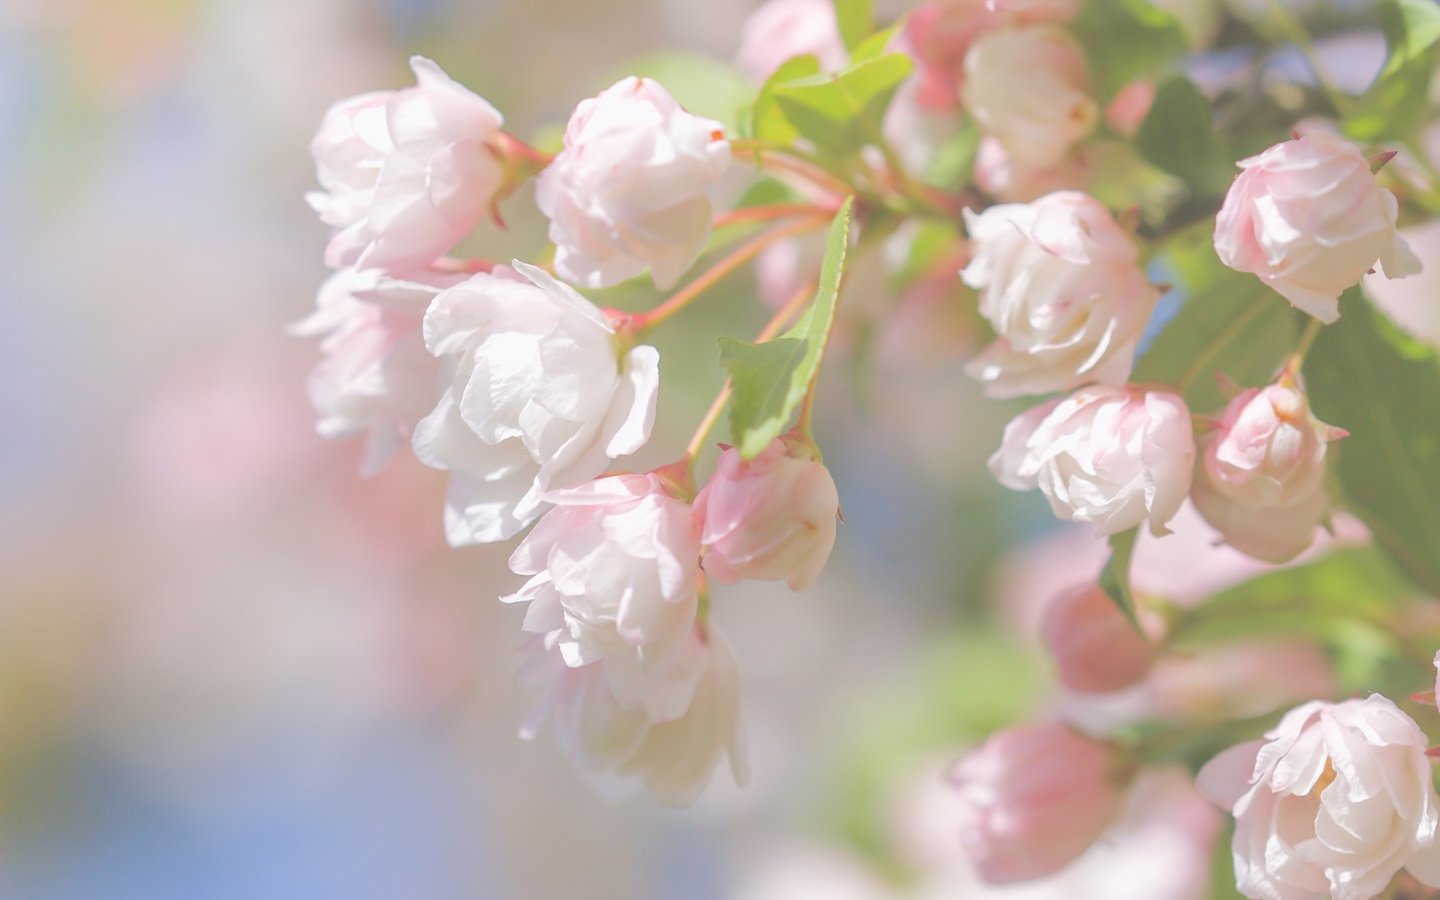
x=1062 y=286
x=1035 y=798
x=770 y=518
x=406 y=174
x=782 y=29
x=1095 y=647
x=937 y=36
x=1114 y=457
x=1308 y=218
x=1130 y=106
x=1027 y=87
x=631 y=188
x=1262 y=473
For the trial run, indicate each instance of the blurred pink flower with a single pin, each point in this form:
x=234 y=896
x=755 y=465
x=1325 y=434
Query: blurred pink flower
x=781 y=29
x=1034 y=798
x=1095 y=648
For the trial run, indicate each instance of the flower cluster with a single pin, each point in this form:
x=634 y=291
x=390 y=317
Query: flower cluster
x=525 y=392
x=528 y=395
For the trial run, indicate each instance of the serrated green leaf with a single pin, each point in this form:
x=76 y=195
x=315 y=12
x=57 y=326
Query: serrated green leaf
x=1235 y=327
x=1115 y=577
x=1126 y=40
x=766 y=120
x=856 y=19
x=702 y=84
x=841 y=113
x=770 y=380
x=1178 y=136
x=1393 y=105
x=1364 y=375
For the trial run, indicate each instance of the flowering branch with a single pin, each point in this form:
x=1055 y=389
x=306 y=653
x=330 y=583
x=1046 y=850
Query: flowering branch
x=729 y=263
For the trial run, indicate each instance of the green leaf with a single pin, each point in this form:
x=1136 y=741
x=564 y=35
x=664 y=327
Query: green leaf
x=841 y=113
x=1315 y=599
x=1115 y=577
x=874 y=45
x=1179 y=137
x=770 y=380
x=1364 y=375
x=1126 y=40
x=856 y=19
x=702 y=84
x=1394 y=104
x=1235 y=327
x=766 y=120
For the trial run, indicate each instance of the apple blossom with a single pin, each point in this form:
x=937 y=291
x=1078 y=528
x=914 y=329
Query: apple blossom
x=614 y=571
x=1035 y=798
x=1062 y=285
x=782 y=29
x=376 y=377
x=1095 y=648
x=1113 y=457
x=1027 y=87
x=405 y=174
x=631 y=188
x=1333 y=802
x=1261 y=478
x=770 y=518
x=540 y=394
x=673 y=758
x=1308 y=218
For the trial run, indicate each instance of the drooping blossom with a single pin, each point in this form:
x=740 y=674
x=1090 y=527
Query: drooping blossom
x=781 y=29
x=1035 y=798
x=1028 y=88
x=1061 y=284
x=540 y=394
x=1308 y=218
x=616 y=741
x=376 y=377
x=1261 y=479
x=631 y=189
x=768 y=519
x=406 y=175
x=1113 y=457
x=1333 y=802
x=614 y=571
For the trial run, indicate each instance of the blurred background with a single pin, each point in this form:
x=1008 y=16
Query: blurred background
x=232 y=668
